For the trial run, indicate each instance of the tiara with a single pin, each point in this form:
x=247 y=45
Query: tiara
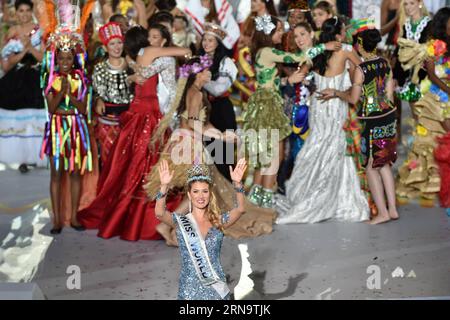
x=110 y=31
x=188 y=69
x=215 y=30
x=198 y=172
x=264 y=23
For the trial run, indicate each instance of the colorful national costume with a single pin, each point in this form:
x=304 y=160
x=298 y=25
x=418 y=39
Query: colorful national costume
x=420 y=175
x=121 y=207
x=66 y=140
x=22 y=114
x=409 y=89
x=111 y=86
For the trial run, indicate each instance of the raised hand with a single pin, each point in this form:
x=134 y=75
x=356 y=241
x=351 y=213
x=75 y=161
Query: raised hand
x=239 y=170
x=165 y=176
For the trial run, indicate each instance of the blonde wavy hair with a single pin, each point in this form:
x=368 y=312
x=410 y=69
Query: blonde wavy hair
x=214 y=214
x=403 y=17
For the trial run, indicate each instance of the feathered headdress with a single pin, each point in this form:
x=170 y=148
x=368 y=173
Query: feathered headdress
x=63 y=27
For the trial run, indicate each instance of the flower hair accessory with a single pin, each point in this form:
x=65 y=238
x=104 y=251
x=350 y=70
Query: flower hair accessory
x=198 y=172
x=188 y=69
x=265 y=24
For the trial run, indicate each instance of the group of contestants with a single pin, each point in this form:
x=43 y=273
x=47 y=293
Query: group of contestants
x=129 y=143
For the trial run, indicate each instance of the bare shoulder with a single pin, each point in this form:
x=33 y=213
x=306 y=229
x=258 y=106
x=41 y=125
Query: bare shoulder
x=12 y=32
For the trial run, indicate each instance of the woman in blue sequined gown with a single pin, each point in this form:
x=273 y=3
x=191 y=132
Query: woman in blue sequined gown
x=200 y=232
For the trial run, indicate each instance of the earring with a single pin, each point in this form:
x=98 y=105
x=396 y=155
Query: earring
x=190 y=206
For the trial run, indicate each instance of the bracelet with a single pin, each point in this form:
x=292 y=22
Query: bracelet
x=188 y=56
x=160 y=195
x=239 y=189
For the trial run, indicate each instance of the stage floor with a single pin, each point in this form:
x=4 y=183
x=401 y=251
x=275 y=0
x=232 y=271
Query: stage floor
x=329 y=260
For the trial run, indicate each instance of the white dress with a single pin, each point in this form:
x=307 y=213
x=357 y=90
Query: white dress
x=324 y=183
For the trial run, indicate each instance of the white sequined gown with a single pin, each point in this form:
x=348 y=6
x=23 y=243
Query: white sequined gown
x=324 y=183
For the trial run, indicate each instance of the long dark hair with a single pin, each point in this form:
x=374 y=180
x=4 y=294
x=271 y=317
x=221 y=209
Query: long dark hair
x=330 y=29
x=219 y=54
x=270 y=6
x=438 y=29
x=370 y=39
x=159 y=17
x=135 y=39
x=261 y=40
x=165 y=34
x=189 y=83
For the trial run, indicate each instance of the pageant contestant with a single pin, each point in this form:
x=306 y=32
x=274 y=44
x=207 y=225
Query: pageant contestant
x=185 y=148
x=160 y=37
x=22 y=114
x=200 y=232
x=223 y=74
x=324 y=183
x=300 y=93
x=414 y=23
x=68 y=99
x=264 y=113
x=377 y=116
x=419 y=176
x=121 y=207
x=112 y=94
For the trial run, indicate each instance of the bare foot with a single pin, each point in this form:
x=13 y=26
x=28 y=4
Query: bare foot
x=380 y=219
x=393 y=214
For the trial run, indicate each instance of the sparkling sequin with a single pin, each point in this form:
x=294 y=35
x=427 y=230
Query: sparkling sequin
x=190 y=287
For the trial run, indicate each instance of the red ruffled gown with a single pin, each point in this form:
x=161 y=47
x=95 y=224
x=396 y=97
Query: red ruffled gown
x=121 y=207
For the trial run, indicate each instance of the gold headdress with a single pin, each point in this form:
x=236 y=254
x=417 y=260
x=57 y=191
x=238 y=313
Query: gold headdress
x=215 y=30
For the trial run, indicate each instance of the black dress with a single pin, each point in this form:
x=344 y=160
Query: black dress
x=377 y=115
x=222 y=116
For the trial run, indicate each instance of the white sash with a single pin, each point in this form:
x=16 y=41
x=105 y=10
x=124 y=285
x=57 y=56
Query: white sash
x=199 y=255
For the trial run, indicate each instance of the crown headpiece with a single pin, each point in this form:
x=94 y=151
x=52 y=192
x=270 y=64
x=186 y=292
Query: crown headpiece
x=110 y=31
x=188 y=69
x=264 y=23
x=198 y=172
x=215 y=30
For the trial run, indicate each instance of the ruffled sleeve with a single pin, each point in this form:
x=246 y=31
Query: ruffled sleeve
x=227 y=75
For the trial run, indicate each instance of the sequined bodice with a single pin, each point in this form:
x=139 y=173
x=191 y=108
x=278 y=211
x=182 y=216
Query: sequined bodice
x=374 y=101
x=190 y=286
x=110 y=84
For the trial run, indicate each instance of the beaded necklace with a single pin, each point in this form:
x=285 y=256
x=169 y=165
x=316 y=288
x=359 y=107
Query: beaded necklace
x=410 y=35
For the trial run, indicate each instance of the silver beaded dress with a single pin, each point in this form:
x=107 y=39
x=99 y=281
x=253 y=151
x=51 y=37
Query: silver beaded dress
x=324 y=183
